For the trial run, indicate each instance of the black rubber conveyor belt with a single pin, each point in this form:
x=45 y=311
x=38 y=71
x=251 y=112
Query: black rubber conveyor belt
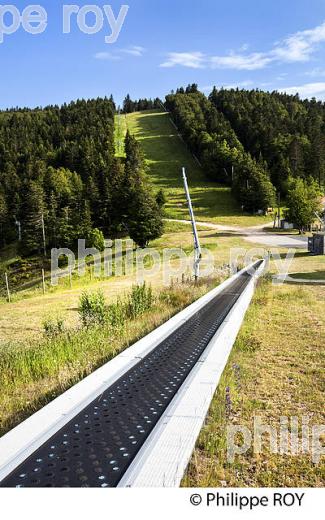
x=98 y=445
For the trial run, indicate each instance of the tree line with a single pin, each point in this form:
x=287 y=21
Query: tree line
x=210 y=136
x=130 y=105
x=59 y=173
x=286 y=132
x=257 y=142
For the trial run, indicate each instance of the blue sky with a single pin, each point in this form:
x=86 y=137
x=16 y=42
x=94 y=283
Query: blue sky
x=164 y=44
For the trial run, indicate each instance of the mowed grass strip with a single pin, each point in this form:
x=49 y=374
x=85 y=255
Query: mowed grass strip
x=166 y=154
x=276 y=369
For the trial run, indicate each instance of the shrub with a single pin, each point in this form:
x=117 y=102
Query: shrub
x=140 y=300
x=96 y=239
x=116 y=314
x=53 y=328
x=92 y=309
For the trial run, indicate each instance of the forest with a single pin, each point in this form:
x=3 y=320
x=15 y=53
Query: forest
x=59 y=173
x=255 y=141
x=130 y=105
x=60 y=179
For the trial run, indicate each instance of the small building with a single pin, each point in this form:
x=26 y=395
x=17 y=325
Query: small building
x=316 y=244
x=286 y=225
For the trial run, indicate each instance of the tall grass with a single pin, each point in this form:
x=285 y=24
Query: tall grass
x=93 y=310
x=33 y=374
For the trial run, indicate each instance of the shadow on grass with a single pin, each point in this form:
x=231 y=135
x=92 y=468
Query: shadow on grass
x=166 y=154
x=300 y=254
x=224 y=234
x=315 y=275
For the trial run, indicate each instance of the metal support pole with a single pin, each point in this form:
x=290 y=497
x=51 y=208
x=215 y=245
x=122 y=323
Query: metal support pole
x=43 y=232
x=8 y=289
x=197 y=247
x=18 y=224
x=43 y=280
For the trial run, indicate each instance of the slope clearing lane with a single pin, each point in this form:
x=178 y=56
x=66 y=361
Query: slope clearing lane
x=166 y=154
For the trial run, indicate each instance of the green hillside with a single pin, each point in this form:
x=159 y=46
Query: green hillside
x=166 y=154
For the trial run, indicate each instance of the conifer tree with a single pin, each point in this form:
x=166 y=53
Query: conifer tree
x=32 y=213
x=144 y=216
x=3 y=218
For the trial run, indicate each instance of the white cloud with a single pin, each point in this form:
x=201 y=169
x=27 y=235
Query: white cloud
x=197 y=60
x=298 y=47
x=307 y=90
x=193 y=60
x=108 y=56
x=295 y=48
x=240 y=62
x=134 y=50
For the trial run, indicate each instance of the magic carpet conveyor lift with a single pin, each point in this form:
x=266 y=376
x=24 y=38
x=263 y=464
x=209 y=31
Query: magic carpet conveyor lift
x=93 y=441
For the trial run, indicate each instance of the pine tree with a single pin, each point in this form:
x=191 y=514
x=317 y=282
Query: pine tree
x=32 y=213
x=161 y=198
x=119 y=199
x=67 y=234
x=143 y=214
x=145 y=223
x=85 y=224
x=128 y=105
x=134 y=162
x=3 y=218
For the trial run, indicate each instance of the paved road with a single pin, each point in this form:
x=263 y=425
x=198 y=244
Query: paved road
x=257 y=235
x=278 y=240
